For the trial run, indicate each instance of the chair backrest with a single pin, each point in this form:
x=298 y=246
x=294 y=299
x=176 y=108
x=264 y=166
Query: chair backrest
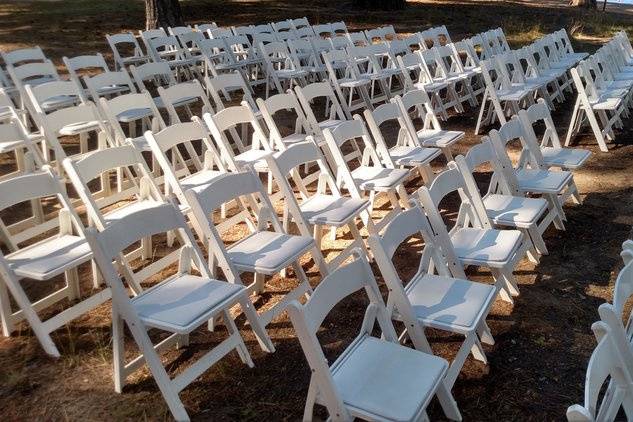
x=159 y=73
x=383 y=114
x=183 y=93
x=204 y=27
x=150 y=34
x=300 y=23
x=309 y=93
x=509 y=133
x=282 y=103
x=81 y=64
x=605 y=366
x=264 y=38
x=220 y=33
x=471 y=212
x=98 y=84
x=88 y=167
x=189 y=40
x=347 y=134
x=179 y=30
x=323 y=30
x=227 y=121
x=357 y=38
x=118 y=106
x=39 y=185
x=175 y=167
x=49 y=96
x=32 y=74
x=283 y=26
x=22 y=56
x=160 y=48
x=242 y=188
x=416 y=106
x=306 y=320
x=226 y=83
x=484 y=154
x=118 y=44
x=305 y=31
x=109 y=244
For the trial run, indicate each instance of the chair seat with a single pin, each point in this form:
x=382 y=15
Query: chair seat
x=80 y=127
x=487 y=247
x=291 y=73
x=49 y=257
x=113 y=89
x=130 y=208
x=513 y=94
x=413 y=156
x=353 y=83
x=59 y=101
x=439 y=138
x=431 y=86
x=201 y=178
x=378 y=178
x=254 y=157
x=268 y=252
x=543 y=181
x=329 y=123
x=606 y=102
x=330 y=210
x=294 y=138
x=449 y=303
x=514 y=211
x=387 y=380
x=182 y=303
x=134 y=114
x=7 y=146
x=568 y=158
x=188 y=100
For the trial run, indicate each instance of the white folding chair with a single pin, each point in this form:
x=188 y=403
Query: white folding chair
x=472 y=237
x=283 y=69
x=224 y=85
x=428 y=300
x=504 y=208
x=605 y=363
x=42 y=258
x=121 y=59
x=344 y=77
x=285 y=104
x=109 y=84
x=415 y=105
x=261 y=252
x=135 y=190
x=373 y=378
x=367 y=174
x=178 y=304
x=555 y=186
x=321 y=207
x=14 y=139
x=406 y=153
x=554 y=155
x=149 y=76
x=90 y=63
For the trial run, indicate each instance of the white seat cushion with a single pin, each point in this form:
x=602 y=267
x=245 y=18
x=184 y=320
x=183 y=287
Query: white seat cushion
x=388 y=380
x=113 y=89
x=130 y=208
x=542 y=181
x=254 y=157
x=203 y=177
x=50 y=257
x=134 y=114
x=408 y=156
x=431 y=86
x=268 y=252
x=294 y=138
x=330 y=210
x=486 y=247
x=439 y=138
x=79 y=127
x=378 y=178
x=514 y=210
x=59 y=101
x=353 y=83
x=570 y=158
x=329 y=124
x=182 y=303
x=446 y=302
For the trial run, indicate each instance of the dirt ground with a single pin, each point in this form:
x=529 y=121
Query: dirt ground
x=536 y=368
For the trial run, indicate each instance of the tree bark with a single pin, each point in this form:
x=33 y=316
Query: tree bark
x=589 y=4
x=380 y=4
x=162 y=13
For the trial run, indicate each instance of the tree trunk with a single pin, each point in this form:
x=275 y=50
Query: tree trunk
x=589 y=4
x=380 y=4
x=162 y=13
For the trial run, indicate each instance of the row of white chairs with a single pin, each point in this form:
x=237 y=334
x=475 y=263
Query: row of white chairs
x=610 y=368
x=604 y=82
x=211 y=186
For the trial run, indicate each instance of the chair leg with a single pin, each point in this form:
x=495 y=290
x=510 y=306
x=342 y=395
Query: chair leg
x=256 y=325
x=447 y=402
x=234 y=332
x=485 y=336
x=308 y=410
x=72 y=281
x=537 y=240
x=6 y=315
x=118 y=351
x=501 y=286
